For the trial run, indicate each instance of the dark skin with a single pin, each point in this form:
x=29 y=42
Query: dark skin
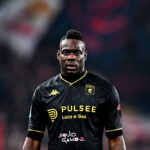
x=31 y=144
x=117 y=143
x=72 y=56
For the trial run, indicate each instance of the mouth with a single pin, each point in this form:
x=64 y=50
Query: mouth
x=71 y=67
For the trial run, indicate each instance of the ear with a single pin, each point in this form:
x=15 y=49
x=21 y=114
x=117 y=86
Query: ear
x=58 y=54
x=85 y=55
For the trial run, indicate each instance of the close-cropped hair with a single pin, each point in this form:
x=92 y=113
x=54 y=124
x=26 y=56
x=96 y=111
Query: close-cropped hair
x=73 y=34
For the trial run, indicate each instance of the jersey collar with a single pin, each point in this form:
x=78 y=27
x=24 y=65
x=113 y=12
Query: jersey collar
x=71 y=83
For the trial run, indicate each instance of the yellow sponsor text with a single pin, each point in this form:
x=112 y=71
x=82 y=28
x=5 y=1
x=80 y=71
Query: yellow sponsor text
x=80 y=108
x=79 y=116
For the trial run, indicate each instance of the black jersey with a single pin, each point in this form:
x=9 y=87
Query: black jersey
x=76 y=113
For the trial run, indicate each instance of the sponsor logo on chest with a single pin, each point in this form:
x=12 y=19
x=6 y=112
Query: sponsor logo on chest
x=71 y=112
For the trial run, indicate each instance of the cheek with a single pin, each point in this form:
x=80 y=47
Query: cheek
x=62 y=60
x=81 y=59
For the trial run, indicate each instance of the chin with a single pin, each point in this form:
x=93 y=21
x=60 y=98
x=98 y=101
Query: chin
x=71 y=71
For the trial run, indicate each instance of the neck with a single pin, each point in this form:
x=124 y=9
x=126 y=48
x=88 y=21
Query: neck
x=72 y=77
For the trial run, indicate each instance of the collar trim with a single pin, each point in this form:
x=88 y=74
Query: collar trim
x=71 y=83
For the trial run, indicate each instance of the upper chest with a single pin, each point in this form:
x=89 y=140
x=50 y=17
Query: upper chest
x=76 y=96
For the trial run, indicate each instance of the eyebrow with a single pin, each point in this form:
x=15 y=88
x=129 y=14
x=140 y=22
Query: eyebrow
x=65 y=49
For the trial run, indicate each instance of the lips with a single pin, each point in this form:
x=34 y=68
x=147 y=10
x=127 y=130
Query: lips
x=71 y=66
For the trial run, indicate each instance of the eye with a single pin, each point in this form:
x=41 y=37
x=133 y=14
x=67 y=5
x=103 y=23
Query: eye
x=65 y=52
x=77 y=52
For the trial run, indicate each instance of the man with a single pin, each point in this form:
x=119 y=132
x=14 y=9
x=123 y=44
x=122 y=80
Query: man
x=75 y=105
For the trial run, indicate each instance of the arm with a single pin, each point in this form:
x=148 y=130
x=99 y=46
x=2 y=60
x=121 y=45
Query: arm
x=36 y=125
x=31 y=144
x=113 y=122
x=117 y=143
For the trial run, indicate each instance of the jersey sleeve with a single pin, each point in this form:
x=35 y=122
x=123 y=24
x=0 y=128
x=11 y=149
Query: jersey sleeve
x=37 y=120
x=113 y=119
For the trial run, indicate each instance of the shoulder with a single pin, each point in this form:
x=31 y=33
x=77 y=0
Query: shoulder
x=50 y=83
x=101 y=82
x=104 y=88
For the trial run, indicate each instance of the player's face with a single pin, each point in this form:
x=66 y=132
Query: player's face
x=71 y=56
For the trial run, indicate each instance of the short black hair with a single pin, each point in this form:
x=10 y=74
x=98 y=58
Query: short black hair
x=73 y=34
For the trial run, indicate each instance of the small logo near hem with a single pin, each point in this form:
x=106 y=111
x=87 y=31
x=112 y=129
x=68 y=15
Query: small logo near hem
x=70 y=137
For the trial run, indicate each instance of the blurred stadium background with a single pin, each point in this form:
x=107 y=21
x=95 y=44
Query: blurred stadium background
x=117 y=33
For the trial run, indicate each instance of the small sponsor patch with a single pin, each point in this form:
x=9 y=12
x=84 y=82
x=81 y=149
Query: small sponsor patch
x=119 y=107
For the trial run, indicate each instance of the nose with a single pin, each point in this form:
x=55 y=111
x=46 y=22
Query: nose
x=71 y=56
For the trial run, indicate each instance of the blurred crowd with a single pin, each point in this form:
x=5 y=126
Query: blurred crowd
x=18 y=81
x=117 y=43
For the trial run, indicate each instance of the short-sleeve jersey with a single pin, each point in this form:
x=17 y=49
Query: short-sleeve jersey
x=75 y=114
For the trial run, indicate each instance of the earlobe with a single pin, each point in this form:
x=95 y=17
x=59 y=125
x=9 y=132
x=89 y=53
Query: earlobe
x=85 y=55
x=58 y=54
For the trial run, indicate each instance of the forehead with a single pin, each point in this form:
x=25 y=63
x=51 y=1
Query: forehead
x=72 y=44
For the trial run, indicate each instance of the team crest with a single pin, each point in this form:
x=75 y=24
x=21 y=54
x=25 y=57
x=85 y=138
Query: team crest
x=89 y=89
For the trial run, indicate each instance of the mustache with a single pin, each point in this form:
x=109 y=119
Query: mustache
x=71 y=64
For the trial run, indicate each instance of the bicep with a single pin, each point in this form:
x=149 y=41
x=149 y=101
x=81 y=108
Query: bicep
x=31 y=144
x=117 y=143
